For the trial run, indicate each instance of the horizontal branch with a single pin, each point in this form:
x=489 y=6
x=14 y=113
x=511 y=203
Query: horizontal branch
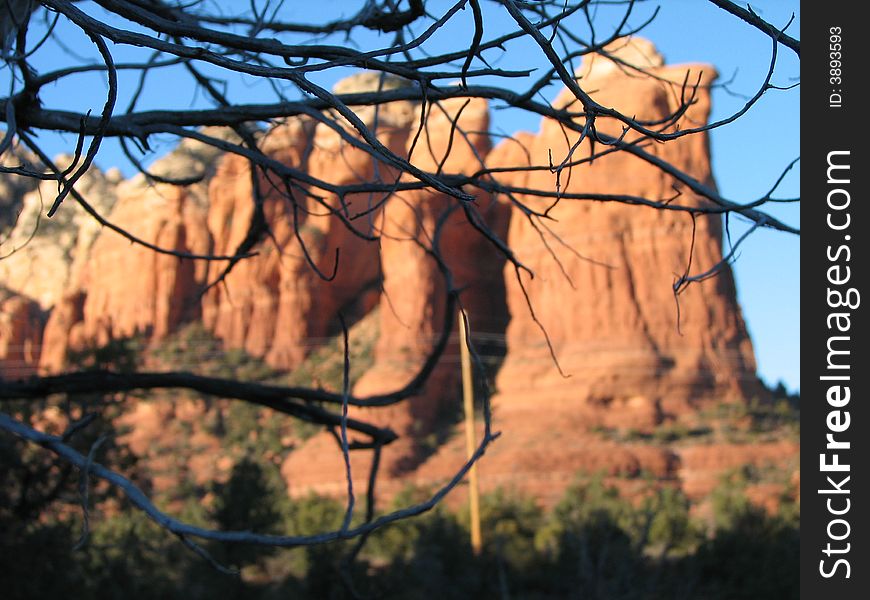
x=145 y=123
x=279 y=398
x=141 y=124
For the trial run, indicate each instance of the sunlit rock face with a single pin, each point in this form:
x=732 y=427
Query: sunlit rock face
x=21 y=324
x=632 y=355
x=595 y=340
x=43 y=258
x=284 y=301
x=623 y=341
x=413 y=302
x=620 y=350
x=116 y=288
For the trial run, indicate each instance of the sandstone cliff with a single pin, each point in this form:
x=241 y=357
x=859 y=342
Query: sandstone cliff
x=629 y=356
x=42 y=259
x=276 y=305
x=124 y=289
x=21 y=324
x=414 y=298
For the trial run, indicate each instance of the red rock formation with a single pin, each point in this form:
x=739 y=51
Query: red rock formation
x=603 y=293
x=63 y=332
x=164 y=290
x=702 y=466
x=609 y=309
x=243 y=312
x=114 y=288
x=606 y=303
x=602 y=288
x=412 y=312
x=21 y=322
x=42 y=257
x=275 y=305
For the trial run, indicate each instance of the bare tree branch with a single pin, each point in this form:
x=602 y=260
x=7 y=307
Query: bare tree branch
x=213 y=48
x=749 y=15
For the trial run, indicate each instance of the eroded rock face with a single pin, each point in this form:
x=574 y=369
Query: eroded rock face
x=413 y=303
x=701 y=467
x=21 y=323
x=63 y=332
x=602 y=292
x=276 y=305
x=620 y=336
x=116 y=288
x=632 y=357
x=164 y=291
x=43 y=257
x=420 y=222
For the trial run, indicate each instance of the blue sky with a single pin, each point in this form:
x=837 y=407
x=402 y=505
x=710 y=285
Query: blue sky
x=748 y=155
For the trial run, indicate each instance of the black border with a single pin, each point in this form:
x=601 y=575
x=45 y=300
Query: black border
x=831 y=127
